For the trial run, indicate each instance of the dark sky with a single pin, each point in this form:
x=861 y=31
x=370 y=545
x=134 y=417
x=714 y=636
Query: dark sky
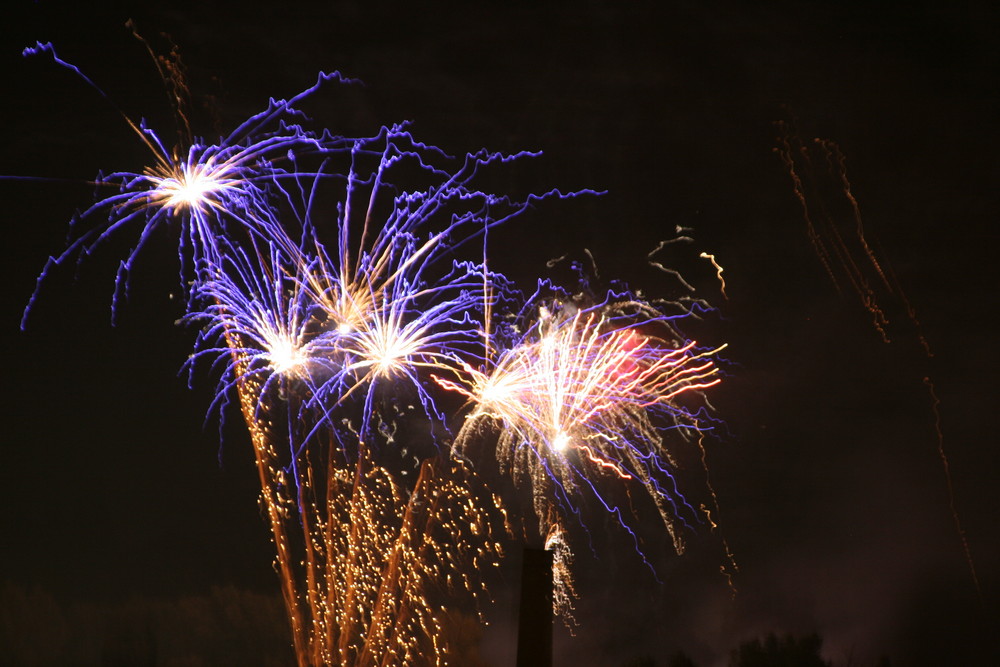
x=832 y=490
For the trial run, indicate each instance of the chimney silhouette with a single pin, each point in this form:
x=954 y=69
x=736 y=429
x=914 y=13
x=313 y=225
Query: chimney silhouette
x=534 y=624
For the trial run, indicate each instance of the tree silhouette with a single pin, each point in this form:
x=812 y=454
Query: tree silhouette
x=641 y=661
x=787 y=651
x=680 y=659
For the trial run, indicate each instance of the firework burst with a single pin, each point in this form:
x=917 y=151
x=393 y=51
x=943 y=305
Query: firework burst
x=199 y=187
x=580 y=400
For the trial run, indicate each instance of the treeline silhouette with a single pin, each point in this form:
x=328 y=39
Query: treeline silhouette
x=771 y=651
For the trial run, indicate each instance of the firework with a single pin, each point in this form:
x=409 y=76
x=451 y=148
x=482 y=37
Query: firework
x=580 y=401
x=199 y=187
x=254 y=304
x=325 y=350
x=334 y=304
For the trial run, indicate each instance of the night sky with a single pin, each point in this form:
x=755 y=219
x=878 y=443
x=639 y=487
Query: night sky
x=120 y=504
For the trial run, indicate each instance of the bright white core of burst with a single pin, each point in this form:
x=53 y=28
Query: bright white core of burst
x=283 y=355
x=560 y=442
x=493 y=393
x=190 y=190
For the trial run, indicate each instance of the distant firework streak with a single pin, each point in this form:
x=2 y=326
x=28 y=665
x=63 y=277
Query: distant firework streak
x=835 y=228
x=834 y=224
x=340 y=341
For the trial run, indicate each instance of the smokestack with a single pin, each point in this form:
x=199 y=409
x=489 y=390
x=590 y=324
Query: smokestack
x=534 y=625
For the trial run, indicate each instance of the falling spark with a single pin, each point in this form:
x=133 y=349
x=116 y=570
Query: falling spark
x=936 y=409
x=563 y=585
x=718 y=272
